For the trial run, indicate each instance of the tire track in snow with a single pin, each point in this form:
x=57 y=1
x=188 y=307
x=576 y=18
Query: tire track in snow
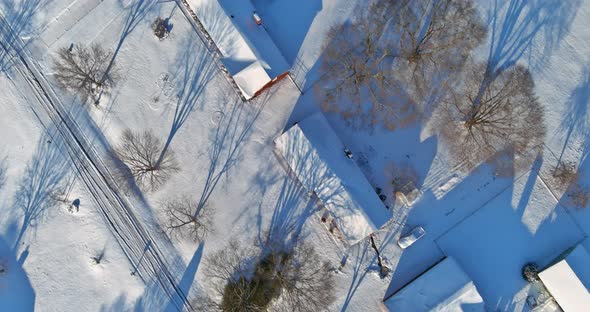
x=137 y=244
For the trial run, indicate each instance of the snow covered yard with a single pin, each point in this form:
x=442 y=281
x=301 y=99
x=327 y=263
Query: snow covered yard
x=174 y=88
x=225 y=149
x=48 y=250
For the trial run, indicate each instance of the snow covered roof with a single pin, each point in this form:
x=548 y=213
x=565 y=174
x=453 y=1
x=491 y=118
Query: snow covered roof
x=568 y=280
x=248 y=51
x=316 y=156
x=445 y=287
x=251 y=79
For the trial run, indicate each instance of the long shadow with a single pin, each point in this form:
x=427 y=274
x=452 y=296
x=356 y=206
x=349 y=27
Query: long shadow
x=19 y=15
x=516 y=218
x=358 y=273
x=295 y=203
x=288 y=218
x=522 y=26
x=17 y=292
x=214 y=20
x=530 y=183
x=137 y=12
x=576 y=120
x=234 y=128
x=456 y=205
x=197 y=69
x=42 y=181
x=120 y=304
x=141 y=207
x=187 y=278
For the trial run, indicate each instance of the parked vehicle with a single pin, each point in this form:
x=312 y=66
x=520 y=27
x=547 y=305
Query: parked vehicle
x=410 y=238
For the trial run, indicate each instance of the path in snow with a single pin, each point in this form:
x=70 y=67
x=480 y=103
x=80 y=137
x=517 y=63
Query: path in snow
x=138 y=245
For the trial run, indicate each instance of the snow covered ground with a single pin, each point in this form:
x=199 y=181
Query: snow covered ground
x=49 y=249
x=490 y=225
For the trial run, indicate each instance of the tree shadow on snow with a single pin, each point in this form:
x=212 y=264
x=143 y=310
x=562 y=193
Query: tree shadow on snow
x=527 y=27
x=196 y=68
x=107 y=162
x=155 y=299
x=294 y=204
x=576 y=120
x=503 y=232
x=138 y=10
x=42 y=183
x=19 y=16
x=362 y=255
x=235 y=121
x=187 y=280
x=17 y=293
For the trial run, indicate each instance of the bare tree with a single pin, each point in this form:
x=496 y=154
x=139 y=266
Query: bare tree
x=565 y=174
x=435 y=36
x=228 y=271
x=305 y=280
x=278 y=279
x=82 y=70
x=140 y=152
x=379 y=66
x=485 y=116
x=187 y=219
x=566 y=179
x=577 y=196
x=441 y=32
x=357 y=79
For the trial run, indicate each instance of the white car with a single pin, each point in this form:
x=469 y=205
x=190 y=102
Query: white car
x=410 y=238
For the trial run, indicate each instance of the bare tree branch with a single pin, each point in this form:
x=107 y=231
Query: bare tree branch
x=81 y=70
x=485 y=116
x=435 y=39
x=140 y=152
x=380 y=67
x=186 y=219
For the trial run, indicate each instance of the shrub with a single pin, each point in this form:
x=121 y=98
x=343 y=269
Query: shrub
x=530 y=272
x=161 y=28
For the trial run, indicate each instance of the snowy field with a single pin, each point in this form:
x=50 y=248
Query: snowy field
x=490 y=225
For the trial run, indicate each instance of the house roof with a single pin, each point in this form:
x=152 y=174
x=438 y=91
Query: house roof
x=316 y=156
x=568 y=280
x=248 y=51
x=444 y=287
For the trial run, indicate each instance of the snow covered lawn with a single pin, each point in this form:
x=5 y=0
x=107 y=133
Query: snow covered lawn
x=490 y=225
x=48 y=250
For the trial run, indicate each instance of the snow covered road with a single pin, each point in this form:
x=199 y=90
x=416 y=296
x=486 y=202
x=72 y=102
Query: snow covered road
x=140 y=248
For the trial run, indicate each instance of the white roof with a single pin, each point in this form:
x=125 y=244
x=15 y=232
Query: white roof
x=564 y=281
x=247 y=48
x=316 y=155
x=251 y=79
x=445 y=287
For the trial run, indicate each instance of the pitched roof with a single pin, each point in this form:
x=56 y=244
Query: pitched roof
x=566 y=280
x=316 y=156
x=444 y=287
x=249 y=54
